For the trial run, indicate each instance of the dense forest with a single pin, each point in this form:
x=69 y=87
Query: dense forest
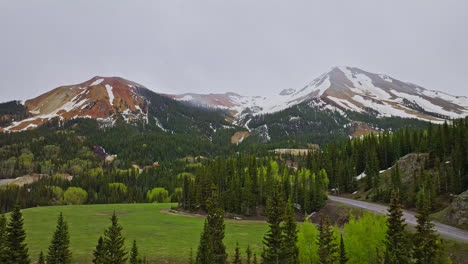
x=68 y=158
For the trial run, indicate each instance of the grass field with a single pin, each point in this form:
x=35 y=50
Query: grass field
x=161 y=237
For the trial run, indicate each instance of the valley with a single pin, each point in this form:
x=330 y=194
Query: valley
x=112 y=145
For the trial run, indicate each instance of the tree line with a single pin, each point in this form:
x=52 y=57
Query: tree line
x=244 y=183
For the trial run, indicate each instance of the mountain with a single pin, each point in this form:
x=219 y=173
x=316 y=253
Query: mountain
x=342 y=102
x=344 y=89
x=102 y=98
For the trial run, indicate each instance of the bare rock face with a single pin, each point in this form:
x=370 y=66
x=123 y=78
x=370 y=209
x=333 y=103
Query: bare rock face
x=459 y=211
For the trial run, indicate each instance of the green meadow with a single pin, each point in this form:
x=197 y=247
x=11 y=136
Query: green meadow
x=161 y=237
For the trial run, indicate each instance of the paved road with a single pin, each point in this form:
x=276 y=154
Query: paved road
x=445 y=230
x=6 y=181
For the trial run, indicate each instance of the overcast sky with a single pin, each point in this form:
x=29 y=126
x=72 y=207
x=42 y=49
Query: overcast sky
x=249 y=47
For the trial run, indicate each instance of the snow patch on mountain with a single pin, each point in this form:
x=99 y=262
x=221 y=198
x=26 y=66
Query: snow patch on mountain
x=110 y=93
x=96 y=82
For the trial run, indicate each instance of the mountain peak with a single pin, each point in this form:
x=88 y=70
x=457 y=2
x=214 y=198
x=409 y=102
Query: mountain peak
x=346 y=88
x=102 y=98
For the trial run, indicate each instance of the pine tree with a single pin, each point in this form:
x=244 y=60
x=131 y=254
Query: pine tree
x=205 y=250
x=273 y=238
x=249 y=255
x=289 y=250
x=428 y=248
x=100 y=252
x=3 y=240
x=59 y=251
x=191 y=257
x=17 y=248
x=343 y=257
x=255 y=259
x=397 y=249
x=237 y=257
x=41 y=258
x=134 y=253
x=328 y=248
x=114 y=243
x=215 y=220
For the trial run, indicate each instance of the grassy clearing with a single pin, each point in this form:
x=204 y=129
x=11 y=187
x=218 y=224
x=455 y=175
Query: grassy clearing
x=161 y=237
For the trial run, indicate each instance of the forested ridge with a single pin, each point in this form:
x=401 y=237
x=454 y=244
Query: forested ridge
x=281 y=188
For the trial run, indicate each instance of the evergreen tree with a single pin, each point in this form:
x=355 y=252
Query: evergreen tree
x=428 y=248
x=59 y=251
x=17 y=248
x=289 y=249
x=215 y=221
x=191 y=257
x=41 y=258
x=273 y=238
x=134 y=253
x=255 y=259
x=397 y=249
x=99 y=252
x=205 y=249
x=114 y=243
x=249 y=255
x=343 y=257
x=328 y=248
x=3 y=240
x=237 y=257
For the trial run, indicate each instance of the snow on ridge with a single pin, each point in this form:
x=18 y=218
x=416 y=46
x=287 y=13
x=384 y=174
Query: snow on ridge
x=427 y=105
x=364 y=85
x=186 y=98
x=345 y=104
x=110 y=93
x=158 y=123
x=96 y=82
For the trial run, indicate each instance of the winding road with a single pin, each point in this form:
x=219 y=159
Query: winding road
x=445 y=230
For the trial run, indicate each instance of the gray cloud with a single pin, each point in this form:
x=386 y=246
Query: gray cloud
x=249 y=47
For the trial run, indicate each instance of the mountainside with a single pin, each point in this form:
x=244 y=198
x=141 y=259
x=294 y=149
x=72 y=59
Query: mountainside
x=102 y=98
x=343 y=102
x=345 y=89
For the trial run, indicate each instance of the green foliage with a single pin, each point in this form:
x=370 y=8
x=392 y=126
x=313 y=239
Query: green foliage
x=3 y=239
x=159 y=195
x=16 y=236
x=59 y=251
x=215 y=220
x=205 y=253
x=273 y=239
x=343 y=258
x=41 y=259
x=427 y=247
x=237 y=256
x=190 y=259
x=289 y=248
x=75 y=196
x=364 y=237
x=307 y=243
x=328 y=248
x=134 y=253
x=118 y=187
x=212 y=248
x=99 y=252
x=57 y=192
x=114 y=243
x=397 y=244
x=248 y=252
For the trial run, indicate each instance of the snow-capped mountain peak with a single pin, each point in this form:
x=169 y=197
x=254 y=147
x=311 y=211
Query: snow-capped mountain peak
x=101 y=98
x=343 y=89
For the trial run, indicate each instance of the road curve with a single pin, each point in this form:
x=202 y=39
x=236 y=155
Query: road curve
x=445 y=230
